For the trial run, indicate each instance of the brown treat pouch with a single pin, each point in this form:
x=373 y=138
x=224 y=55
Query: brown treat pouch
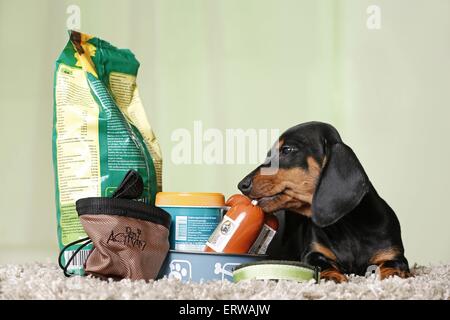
x=130 y=238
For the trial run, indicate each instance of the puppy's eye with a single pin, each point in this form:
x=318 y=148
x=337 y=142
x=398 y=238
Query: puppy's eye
x=285 y=150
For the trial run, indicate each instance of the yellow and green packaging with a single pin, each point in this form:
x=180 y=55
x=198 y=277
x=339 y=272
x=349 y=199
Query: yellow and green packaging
x=100 y=131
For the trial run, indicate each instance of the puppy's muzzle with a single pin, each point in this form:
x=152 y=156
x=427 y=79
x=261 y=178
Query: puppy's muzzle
x=245 y=186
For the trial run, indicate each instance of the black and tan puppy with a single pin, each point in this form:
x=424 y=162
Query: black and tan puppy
x=333 y=217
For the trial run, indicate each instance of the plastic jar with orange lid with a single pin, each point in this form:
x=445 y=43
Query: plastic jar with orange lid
x=195 y=215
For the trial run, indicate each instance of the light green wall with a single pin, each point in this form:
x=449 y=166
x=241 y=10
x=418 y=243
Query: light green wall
x=243 y=64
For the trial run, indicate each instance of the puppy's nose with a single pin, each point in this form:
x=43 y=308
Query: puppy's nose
x=245 y=185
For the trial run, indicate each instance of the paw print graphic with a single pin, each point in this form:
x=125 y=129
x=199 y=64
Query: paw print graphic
x=226 y=271
x=180 y=269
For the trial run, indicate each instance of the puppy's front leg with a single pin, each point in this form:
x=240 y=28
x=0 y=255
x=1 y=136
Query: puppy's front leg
x=391 y=262
x=394 y=268
x=328 y=267
x=333 y=275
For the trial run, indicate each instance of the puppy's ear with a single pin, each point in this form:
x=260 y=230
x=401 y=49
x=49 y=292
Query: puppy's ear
x=341 y=187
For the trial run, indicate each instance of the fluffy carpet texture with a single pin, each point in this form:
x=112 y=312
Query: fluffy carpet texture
x=46 y=281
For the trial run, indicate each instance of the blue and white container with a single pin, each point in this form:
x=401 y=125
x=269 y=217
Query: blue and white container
x=195 y=216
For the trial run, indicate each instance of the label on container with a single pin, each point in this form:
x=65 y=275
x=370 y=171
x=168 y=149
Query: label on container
x=262 y=242
x=191 y=232
x=223 y=233
x=181 y=228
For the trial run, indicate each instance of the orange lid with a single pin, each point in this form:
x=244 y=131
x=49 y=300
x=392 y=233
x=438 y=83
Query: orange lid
x=191 y=199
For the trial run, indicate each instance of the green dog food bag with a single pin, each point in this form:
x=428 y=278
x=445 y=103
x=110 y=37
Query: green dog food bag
x=100 y=131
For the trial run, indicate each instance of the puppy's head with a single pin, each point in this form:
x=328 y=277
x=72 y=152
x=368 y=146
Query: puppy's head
x=317 y=175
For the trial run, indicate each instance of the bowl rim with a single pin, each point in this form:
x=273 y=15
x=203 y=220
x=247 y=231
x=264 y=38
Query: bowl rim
x=262 y=256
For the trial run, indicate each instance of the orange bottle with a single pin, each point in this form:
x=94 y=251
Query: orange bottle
x=239 y=228
x=268 y=231
x=266 y=235
x=237 y=199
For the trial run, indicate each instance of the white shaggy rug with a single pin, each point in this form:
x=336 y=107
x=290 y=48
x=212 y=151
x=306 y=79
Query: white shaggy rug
x=46 y=281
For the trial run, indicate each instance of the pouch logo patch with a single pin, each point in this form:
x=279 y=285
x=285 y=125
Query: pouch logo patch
x=128 y=238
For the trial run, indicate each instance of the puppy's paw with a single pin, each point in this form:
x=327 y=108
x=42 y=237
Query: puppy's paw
x=333 y=275
x=390 y=272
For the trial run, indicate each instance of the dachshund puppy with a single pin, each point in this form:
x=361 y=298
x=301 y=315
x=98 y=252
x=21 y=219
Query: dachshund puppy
x=333 y=216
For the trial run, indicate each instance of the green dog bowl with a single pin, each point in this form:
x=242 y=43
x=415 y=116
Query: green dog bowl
x=276 y=270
